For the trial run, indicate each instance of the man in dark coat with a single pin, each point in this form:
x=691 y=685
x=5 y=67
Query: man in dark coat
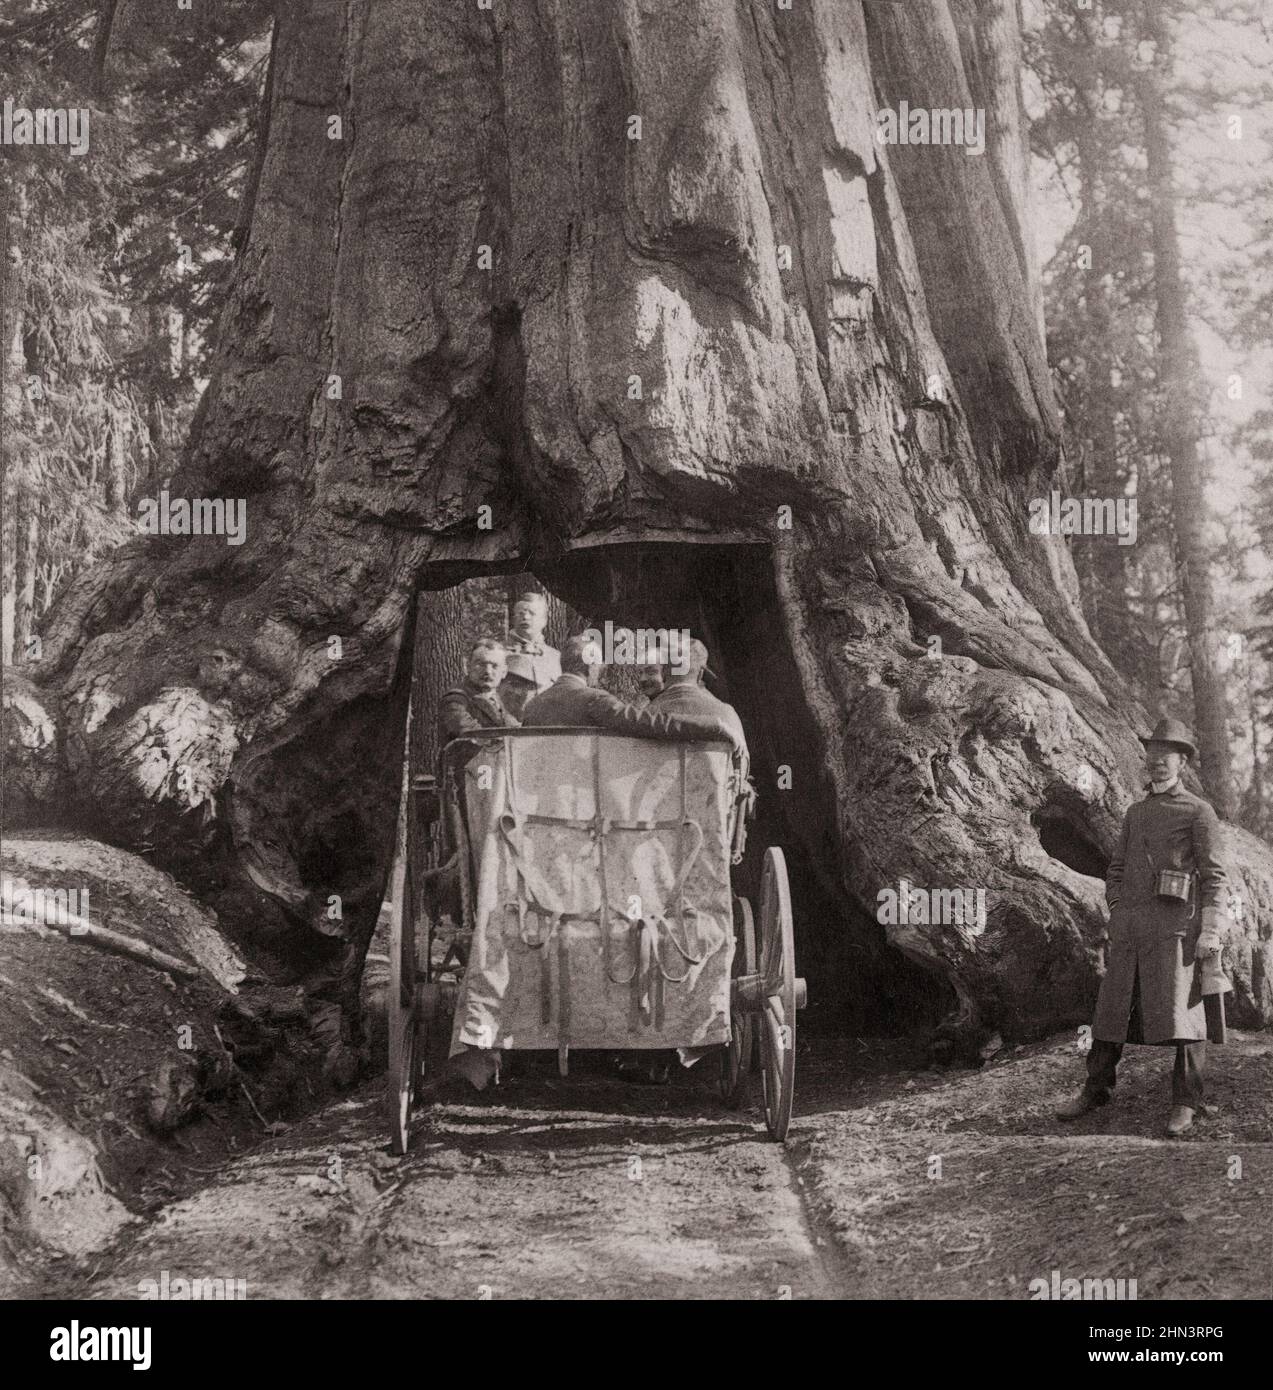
x=684 y=693
x=475 y=703
x=649 y=677
x=574 y=699
x=1165 y=889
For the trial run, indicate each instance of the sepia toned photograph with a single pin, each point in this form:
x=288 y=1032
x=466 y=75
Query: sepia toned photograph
x=637 y=664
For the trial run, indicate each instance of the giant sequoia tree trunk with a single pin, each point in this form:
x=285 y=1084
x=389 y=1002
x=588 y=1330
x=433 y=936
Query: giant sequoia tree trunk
x=751 y=371
x=12 y=406
x=1102 y=567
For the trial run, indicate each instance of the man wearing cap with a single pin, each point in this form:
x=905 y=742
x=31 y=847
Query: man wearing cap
x=532 y=664
x=1165 y=887
x=475 y=703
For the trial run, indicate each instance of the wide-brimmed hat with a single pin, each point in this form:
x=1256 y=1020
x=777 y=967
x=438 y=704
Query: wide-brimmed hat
x=1172 y=731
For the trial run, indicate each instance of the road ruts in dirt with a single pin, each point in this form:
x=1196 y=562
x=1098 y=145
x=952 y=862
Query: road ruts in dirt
x=586 y=1188
x=579 y=1190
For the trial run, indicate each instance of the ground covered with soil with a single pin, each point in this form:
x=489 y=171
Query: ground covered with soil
x=152 y=1137
x=897 y=1182
x=118 y=1087
x=964 y=1185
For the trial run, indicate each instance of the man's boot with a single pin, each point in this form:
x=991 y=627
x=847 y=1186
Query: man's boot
x=1180 y=1121
x=1083 y=1102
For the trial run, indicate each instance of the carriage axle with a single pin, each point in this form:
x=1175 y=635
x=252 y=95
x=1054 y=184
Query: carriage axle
x=750 y=993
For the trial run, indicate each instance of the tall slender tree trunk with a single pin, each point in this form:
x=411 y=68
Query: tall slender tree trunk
x=26 y=566
x=1100 y=560
x=159 y=371
x=115 y=471
x=12 y=412
x=1181 y=390
x=1255 y=818
x=156 y=429
x=8 y=571
x=101 y=45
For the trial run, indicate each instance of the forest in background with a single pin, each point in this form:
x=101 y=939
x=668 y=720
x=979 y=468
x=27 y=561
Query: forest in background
x=1151 y=178
x=116 y=266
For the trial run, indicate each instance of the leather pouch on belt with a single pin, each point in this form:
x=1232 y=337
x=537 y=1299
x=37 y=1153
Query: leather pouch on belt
x=1173 y=883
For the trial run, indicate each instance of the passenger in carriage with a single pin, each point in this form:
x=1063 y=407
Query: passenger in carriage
x=532 y=664
x=574 y=699
x=475 y=703
x=684 y=693
x=472 y=705
x=649 y=677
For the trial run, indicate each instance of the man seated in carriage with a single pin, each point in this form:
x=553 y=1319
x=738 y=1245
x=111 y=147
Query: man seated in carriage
x=684 y=693
x=475 y=703
x=575 y=699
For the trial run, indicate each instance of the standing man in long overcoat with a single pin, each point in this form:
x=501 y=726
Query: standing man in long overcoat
x=1165 y=889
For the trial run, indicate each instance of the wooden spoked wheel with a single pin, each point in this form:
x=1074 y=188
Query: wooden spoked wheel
x=435 y=996
x=737 y=1054
x=400 y=1094
x=781 y=993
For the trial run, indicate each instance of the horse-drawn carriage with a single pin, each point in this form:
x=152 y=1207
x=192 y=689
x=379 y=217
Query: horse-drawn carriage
x=559 y=889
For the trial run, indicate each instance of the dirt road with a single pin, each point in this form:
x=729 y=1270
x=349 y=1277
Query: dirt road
x=897 y=1183
x=579 y=1189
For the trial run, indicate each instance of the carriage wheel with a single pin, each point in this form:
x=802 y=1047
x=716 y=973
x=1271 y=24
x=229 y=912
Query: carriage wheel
x=782 y=992
x=401 y=1084
x=736 y=1055
x=435 y=1006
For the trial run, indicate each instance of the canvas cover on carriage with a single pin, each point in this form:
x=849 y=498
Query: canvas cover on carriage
x=602 y=910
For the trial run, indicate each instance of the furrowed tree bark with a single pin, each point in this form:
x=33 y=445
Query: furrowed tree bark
x=101 y=45
x=752 y=367
x=990 y=46
x=11 y=408
x=28 y=562
x=1103 y=566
